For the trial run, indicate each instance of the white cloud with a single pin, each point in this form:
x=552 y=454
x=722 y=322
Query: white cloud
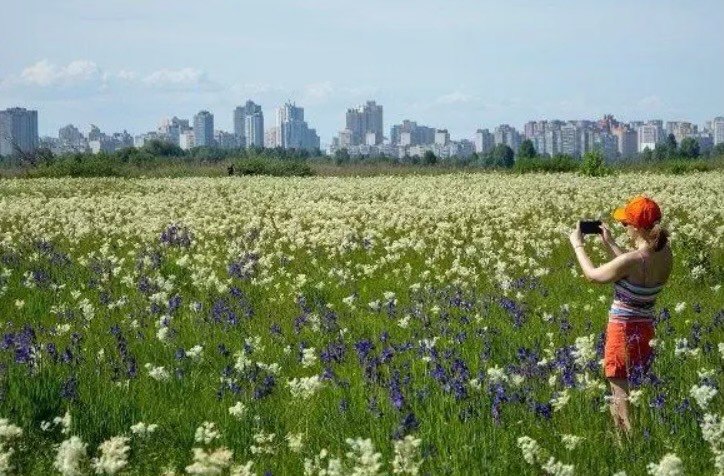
x=316 y=92
x=45 y=73
x=456 y=97
x=242 y=89
x=127 y=75
x=651 y=103
x=175 y=77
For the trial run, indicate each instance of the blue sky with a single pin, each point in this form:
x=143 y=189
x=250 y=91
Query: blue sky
x=458 y=64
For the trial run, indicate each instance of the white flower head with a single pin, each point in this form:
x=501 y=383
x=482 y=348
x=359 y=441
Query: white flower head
x=670 y=465
x=113 y=457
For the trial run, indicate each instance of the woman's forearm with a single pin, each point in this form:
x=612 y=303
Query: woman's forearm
x=613 y=248
x=584 y=261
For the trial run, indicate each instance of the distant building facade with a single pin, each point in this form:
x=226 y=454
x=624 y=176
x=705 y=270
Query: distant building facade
x=293 y=130
x=249 y=132
x=484 y=141
x=717 y=126
x=505 y=134
x=18 y=131
x=364 y=120
x=204 y=129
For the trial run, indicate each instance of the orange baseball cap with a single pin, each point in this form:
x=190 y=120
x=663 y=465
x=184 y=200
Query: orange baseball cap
x=640 y=211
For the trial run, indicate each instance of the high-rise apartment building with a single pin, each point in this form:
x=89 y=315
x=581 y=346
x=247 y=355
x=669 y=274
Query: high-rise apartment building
x=627 y=140
x=204 y=129
x=650 y=134
x=505 y=134
x=571 y=140
x=363 y=120
x=484 y=141
x=241 y=116
x=71 y=139
x=607 y=144
x=271 y=137
x=171 y=129
x=294 y=132
x=442 y=137
x=254 y=129
x=717 y=126
x=416 y=134
x=553 y=145
x=18 y=131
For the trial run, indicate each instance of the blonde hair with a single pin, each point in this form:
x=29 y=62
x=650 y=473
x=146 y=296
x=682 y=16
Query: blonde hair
x=657 y=236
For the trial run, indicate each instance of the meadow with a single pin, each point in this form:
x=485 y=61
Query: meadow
x=414 y=324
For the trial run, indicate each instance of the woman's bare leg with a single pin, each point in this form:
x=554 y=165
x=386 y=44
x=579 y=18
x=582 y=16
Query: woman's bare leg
x=619 y=405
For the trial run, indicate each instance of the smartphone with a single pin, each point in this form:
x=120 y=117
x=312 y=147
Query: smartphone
x=591 y=227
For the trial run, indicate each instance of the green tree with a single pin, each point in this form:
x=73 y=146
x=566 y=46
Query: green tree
x=527 y=150
x=503 y=156
x=341 y=156
x=689 y=148
x=671 y=142
x=647 y=155
x=661 y=151
x=593 y=164
x=429 y=158
x=163 y=149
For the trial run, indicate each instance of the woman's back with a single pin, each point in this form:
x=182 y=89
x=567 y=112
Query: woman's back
x=655 y=268
x=634 y=296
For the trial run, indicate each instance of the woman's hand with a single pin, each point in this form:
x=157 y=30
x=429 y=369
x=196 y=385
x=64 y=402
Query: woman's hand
x=606 y=233
x=576 y=236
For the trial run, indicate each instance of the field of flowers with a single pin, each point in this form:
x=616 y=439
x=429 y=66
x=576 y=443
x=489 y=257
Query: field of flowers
x=384 y=325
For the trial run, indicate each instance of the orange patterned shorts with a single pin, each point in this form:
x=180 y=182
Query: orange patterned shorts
x=627 y=345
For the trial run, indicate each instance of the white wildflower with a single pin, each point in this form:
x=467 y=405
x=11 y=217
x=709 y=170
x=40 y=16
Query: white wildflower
x=571 y=441
x=634 y=397
x=680 y=307
x=157 y=373
x=295 y=441
x=309 y=358
x=143 y=430
x=712 y=430
x=70 y=456
x=238 y=410
x=497 y=375
x=8 y=431
x=263 y=443
x=195 y=352
x=206 y=433
x=363 y=458
x=211 y=462
x=556 y=468
x=304 y=387
x=560 y=400
x=243 y=470
x=585 y=349
x=702 y=394
x=530 y=448
x=407 y=458
x=64 y=422
x=114 y=455
x=670 y=465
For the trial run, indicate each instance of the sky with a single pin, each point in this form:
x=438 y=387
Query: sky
x=455 y=64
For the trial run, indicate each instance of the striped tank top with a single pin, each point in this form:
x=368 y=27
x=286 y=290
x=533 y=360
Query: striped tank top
x=633 y=302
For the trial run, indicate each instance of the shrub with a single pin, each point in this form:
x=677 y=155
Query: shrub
x=593 y=164
x=274 y=167
x=559 y=163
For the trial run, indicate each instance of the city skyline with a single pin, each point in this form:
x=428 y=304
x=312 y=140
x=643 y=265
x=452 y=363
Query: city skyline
x=458 y=66
x=364 y=134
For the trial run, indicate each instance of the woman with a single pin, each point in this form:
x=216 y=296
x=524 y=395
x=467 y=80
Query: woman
x=638 y=276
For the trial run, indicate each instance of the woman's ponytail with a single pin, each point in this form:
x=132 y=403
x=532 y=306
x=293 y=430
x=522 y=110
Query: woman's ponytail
x=659 y=235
